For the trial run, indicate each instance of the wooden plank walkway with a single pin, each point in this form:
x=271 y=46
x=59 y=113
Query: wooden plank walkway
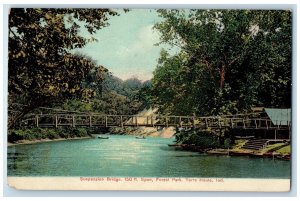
x=95 y=120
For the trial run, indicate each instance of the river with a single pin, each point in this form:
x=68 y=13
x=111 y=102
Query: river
x=126 y=156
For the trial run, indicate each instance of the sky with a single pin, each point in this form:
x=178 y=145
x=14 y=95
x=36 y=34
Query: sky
x=126 y=47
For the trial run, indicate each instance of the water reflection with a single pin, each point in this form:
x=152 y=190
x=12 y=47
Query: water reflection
x=127 y=156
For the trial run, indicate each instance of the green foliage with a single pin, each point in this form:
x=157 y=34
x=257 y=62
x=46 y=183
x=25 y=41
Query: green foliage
x=128 y=88
x=229 y=61
x=227 y=143
x=145 y=95
x=80 y=132
x=42 y=67
x=284 y=150
x=93 y=83
x=205 y=139
x=16 y=135
x=109 y=103
x=116 y=97
x=69 y=132
x=39 y=133
x=202 y=138
x=26 y=134
x=51 y=133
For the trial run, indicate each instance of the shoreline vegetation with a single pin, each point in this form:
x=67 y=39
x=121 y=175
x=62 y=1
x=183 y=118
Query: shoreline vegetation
x=278 y=151
x=23 y=142
x=209 y=142
x=205 y=142
x=35 y=135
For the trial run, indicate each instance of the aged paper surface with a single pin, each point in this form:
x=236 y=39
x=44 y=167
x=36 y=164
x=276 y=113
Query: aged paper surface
x=152 y=126
x=149 y=184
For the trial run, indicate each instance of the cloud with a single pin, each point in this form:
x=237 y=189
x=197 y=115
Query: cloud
x=141 y=74
x=146 y=37
x=127 y=50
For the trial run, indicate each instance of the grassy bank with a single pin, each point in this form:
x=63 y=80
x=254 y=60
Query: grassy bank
x=284 y=150
x=222 y=143
x=204 y=139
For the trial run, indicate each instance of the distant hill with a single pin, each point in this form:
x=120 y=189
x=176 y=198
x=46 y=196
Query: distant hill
x=116 y=96
x=129 y=87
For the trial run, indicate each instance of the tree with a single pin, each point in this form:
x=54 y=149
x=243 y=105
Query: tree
x=42 y=68
x=108 y=95
x=230 y=60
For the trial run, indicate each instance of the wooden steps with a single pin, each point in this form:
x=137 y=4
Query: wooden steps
x=255 y=144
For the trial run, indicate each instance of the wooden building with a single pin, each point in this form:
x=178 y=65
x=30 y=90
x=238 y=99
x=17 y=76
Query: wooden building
x=280 y=118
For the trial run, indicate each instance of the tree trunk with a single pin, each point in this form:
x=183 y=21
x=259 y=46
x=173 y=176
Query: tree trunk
x=12 y=122
x=222 y=76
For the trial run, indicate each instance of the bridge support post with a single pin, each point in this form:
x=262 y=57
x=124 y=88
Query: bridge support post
x=166 y=121
x=37 y=121
x=136 y=121
x=90 y=121
x=152 y=122
x=56 y=121
x=180 y=122
x=73 y=121
x=106 y=121
x=121 y=121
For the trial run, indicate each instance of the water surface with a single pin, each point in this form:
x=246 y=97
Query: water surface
x=122 y=156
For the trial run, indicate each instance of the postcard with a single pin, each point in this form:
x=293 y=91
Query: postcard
x=149 y=99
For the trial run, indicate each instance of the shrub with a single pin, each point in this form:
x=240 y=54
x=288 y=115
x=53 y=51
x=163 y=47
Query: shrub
x=81 y=132
x=38 y=133
x=51 y=133
x=14 y=136
x=227 y=143
x=62 y=132
x=204 y=139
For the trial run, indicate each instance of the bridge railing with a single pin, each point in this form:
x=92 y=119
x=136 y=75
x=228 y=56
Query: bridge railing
x=89 y=120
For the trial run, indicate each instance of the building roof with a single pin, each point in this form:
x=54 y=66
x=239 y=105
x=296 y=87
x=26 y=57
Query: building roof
x=279 y=116
x=257 y=109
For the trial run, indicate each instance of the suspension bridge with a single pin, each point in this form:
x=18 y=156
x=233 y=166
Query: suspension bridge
x=246 y=121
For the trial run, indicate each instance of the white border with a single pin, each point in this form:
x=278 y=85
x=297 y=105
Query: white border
x=156 y=4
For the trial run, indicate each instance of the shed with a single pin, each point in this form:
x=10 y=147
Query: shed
x=279 y=116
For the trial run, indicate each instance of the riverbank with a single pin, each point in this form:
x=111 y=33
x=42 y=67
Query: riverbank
x=22 y=142
x=144 y=131
x=276 y=151
x=162 y=132
x=37 y=135
x=279 y=150
x=225 y=143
